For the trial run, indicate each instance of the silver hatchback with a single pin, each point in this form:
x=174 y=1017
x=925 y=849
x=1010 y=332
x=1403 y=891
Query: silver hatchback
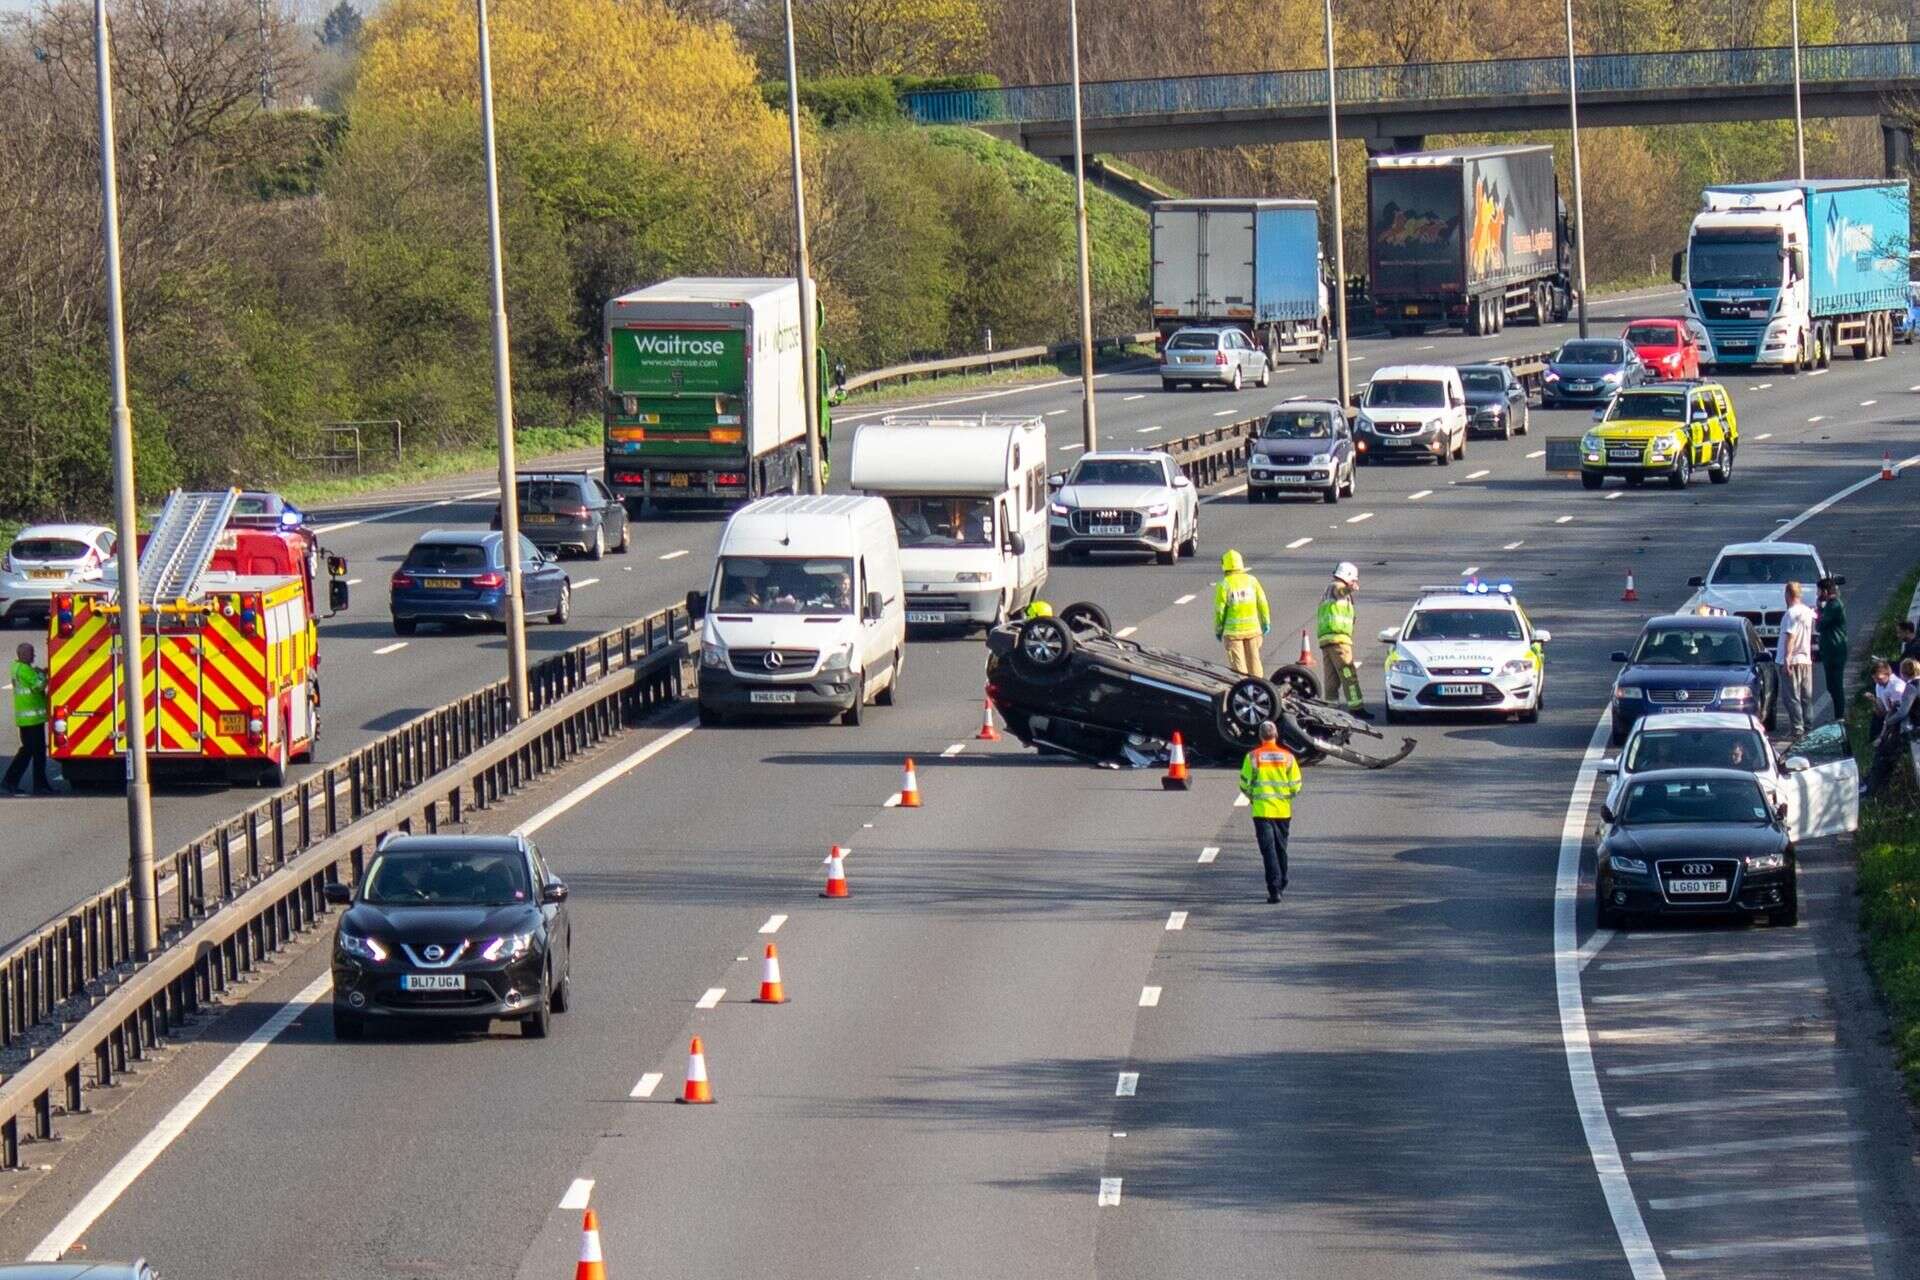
x=46 y=558
x=1226 y=357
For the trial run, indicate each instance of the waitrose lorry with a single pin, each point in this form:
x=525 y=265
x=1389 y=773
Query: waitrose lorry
x=1782 y=273
x=1253 y=265
x=705 y=392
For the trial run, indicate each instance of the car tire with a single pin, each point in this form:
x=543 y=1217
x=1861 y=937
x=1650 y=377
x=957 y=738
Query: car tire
x=1266 y=374
x=1526 y=418
x=1044 y=646
x=348 y=1026
x=890 y=696
x=1254 y=494
x=1297 y=679
x=1446 y=457
x=1353 y=477
x=1589 y=480
x=1788 y=918
x=1193 y=539
x=405 y=626
x=1608 y=917
x=1722 y=469
x=1167 y=384
x=562 y=999
x=536 y=1025
x=598 y=551
x=1331 y=494
x=1083 y=615
x=1249 y=696
x=626 y=538
x=1682 y=474
x=854 y=714
x=1238 y=379
x=711 y=717
x=565 y=608
x=1531 y=715
x=1170 y=556
x=274 y=773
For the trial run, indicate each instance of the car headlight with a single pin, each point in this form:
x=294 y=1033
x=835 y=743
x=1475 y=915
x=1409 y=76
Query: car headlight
x=1158 y=509
x=1363 y=423
x=972 y=575
x=1736 y=693
x=509 y=946
x=1625 y=693
x=839 y=660
x=1632 y=866
x=361 y=947
x=713 y=654
x=1766 y=861
x=1590 y=442
x=1320 y=460
x=1615 y=376
x=1550 y=376
x=1058 y=508
x=1661 y=448
x=1431 y=424
x=1406 y=667
x=1518 y=667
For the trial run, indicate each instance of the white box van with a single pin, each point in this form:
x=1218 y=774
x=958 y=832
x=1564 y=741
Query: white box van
x=969 y=500
x=806 y=612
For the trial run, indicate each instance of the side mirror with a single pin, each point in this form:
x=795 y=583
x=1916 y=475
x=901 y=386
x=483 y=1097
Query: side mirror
x=876 y=605
x=1797 y=764
x=696 y=605
x=336 y=566
x=1017 y=543
x=1680 y=268
x=1780 y=812
x=1389 y=635
x=1542 y=635
x=1182 y=482
x=337 y=595
x=1608 y=767
x=1797 y=261
x=1606 y=812
x=1839 y=579
x=1618 y=655
x=1055 y=480
x=336 y=893
x=553 y=891
x=1696 y=582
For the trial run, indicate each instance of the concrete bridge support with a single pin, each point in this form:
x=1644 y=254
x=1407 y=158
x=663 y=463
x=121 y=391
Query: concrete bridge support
x=1896 y=147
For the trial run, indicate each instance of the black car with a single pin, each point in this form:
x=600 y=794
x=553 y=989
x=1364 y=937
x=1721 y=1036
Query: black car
x=1695 y=842
x=1590 y=371
x=1496 y=401
x=1305 y=447
x=461 y=927
x=1694 y=662
x=1066 y=683
x=570 y=511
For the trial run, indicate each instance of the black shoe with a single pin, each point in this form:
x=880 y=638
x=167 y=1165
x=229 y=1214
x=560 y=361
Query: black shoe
x=1361 y=713
x=1273 y=897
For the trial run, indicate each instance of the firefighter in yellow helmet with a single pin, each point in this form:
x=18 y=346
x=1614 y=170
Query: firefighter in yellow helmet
x=1240 y=616
x=1333 y=623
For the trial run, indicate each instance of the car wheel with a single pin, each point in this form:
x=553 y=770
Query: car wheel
x=1353 y=477
x=711 y=717
x=1591 y=480
x=1460 y=450
x=1266 y=374
x=1085 y=615
x=1445 y=457
x=1044 y=645
x=1167 y=384
x=1682 y=472
x=405 y=626
x=1332 y=492
x=1298 y=680
x=1608 y=917
x=274 y=774
x=854 y=714
x=1526 y=418
x=598 y=551
x=890 y=696
x=1531 y=715
x=1253 y=494
x=1249 y=701
x=1722 y=469
x=535 y=1025
x=1237 y=378
x=564 y=609
x=1388 y=714
x=562 y=999
x=348 y=1026
x=1170 y=556
x=1788 y=917
x=626 y=537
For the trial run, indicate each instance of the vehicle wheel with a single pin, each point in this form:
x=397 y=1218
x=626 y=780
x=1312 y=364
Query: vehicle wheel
x=274 y=774
x=626 y=537
x=1044 y=645
x=565 y=609
x=1476 y=318
x=1608 y=917
x=405 y=626
x=1531 y=715
x=1169 y=556
x=854 y=714
x=1266 y=374
x=890 y=696
x=1298 y=680
x=1823 y=341
x=1773 y=712
x=1353 y=477
x=1460 y=450
x=535 y=1025
x=598 y=551
x=1499 y=315
x=711 y=717
x=348 y=1026
x=1506 y=428
x=1787 y=918
x=1237 y=378
x=1682 y=472
x=1722 y=469
x=1446 y=457
x=1253 y=494
x=1526 y=418
x=1085 y=615
x=1332 y=492
x=1191 y=547
x=1589 y=480
x=1249 y=701
x=562 y=999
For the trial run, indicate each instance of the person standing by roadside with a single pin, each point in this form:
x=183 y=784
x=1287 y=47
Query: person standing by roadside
x=1909 y=640
x=1902 y=725
x=1830 y=626
x=1886 y=692
x=1333 y=625
x=1240 y=617
x=1270 y=779
x=1794 y=654
x=30 y=717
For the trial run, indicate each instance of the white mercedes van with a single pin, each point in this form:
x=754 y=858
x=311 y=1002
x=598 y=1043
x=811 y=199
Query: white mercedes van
x=805 y=613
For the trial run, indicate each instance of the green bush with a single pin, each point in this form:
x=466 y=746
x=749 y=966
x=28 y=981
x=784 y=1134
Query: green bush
x=840 y=100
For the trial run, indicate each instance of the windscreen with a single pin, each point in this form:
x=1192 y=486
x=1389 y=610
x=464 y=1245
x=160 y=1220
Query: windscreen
x=1763 y=569
x=448 y=878
x=48 y=549
x=1406 y=394
x=1690 y=647
x=1483 y=380
x=1694 y=800
x=1591 y=353
x=1652 y=335
x=1464 y=624
x=1640 y=406
x=1290 y=424
x=1117 y=471
x=1194 y=341
x=1697 y=749
x=542 y=494
x=942 y=522
x=448 y=556
x=1734 y=259
x=812 y=585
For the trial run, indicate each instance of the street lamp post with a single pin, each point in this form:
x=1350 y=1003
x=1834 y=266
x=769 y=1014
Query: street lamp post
x=503 y=393
x=1579 y=201
x=803 y=272
x=146 y=918
x=1339 y=226
x=1799 y=125
x=1090 y=431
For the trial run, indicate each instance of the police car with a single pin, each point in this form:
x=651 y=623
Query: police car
x=1466 y=647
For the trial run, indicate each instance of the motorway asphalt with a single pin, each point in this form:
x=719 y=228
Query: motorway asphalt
x=1369 y=1079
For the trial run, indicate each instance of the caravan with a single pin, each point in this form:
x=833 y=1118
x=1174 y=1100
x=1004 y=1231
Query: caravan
x=969 y=501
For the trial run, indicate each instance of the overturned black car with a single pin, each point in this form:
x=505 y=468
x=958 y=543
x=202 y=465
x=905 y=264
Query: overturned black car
x=1067 y=683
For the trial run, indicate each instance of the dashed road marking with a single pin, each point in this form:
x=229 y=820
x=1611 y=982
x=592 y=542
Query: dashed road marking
x=386 y=649
x=1149 y=997
x=584 y=582
x=1138 y=395
x=712 y=998
x=1176 y=921
x=1868 y=404
x=1224 y=413
x=1418 y=494
x=1874 y=359
x=1054 y=413
x=1109 y=1193
x=1715 y=957
x=1765 y=386
x=1792 y=1244
x=1209 y=853
x=1128 y=1084
x=1615 y=495
x=1070 y=448
x=773 y=924
x=1538 y=453
x=1364 y=515
x=648 y=1083
x=1753 y=1195
x=1470 y=570
x=1186 y=599
x=1430 y=346
x=1564 y=520
x=1764 y=435
x=673 y=555
x=1124 y=632
x=1147 y=431
x=1817 y=372
x=1475 y=475
x=1298 y=543
x=1787 y=1142
x=953 y=751
x=1693 y=1066
x=352 y=582
x=1514 y=545
x=1734 y=1102
x=1818 y=417
x=579 y=1193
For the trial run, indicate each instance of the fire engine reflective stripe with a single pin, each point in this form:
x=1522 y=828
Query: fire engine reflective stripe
x=179 y=675
x=240 y=659
x=77 y=657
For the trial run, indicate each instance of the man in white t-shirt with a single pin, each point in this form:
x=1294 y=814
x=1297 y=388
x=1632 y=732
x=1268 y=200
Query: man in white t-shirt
x=1794 y=654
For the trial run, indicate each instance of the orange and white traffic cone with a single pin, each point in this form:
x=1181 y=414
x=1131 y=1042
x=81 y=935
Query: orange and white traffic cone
x=1176 y=779
x=1306 y=650
x=1629 y=593
x=836 y=874
x=1886 y=464
x=771 y=992
x=909 y=788
x=987 y=732
x=697 y=1090
x=592 y=1266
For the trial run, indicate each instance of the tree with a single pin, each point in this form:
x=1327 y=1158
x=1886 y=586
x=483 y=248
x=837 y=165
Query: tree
x=341 y=27
x=875 y=37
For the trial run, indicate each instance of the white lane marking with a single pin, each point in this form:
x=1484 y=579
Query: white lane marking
x=891 y=802
x=1818 y=417
x=1789 y=1142
x=1693 y=1066
x=1364 y=515
x=921 y=405
x=1614 y=495
x=1138 y=395
x=1147 y=431
x=1913 y=388
x=1069 y=448
x=1054 y=413
x=1149 y=997
x=584 y=582
x=1418 y=494
x=1735 y=989
x=1753 y=1195
x=1874 y=359
x=1186 y=599
x=1690 y=1032
x=352 y=582
x=1814 y=510
x=953 y=751
x=1228 y=493
x=1538 y=453
x=1430 y=346
x=1764 y=435
x=1239 y=802
x=1109 y=1193
x=773 y=924
x=1209 y=853
x=605 y=777
x=579 y=1193
x=1298 y=543
x=1470 y=570
x=1224 y=413
x=1765 y=386
x=1714 y=957
x=1591 y=948
x=1176 y=921
x=1127 y=1085
x=1355 y=359
x=712 y=998
x=1792 y=1244
x=386 y=649
x=1514 y=546
x=338 y=525
x=1563 y=520
x=673 y=555
x=1734 y=1102
x=102 y=1195
x=1868 y=404
x=1816 y=373
x=1475 y=475
x=648 y=1083
x=1628 y=1225
x=1124 y=632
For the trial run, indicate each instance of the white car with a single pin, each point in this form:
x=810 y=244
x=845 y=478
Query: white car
x=46 y=558
x=1820 y=801
x=1749 y=579
x=1466 y=648
x=1413 y=411
x=1123 y=501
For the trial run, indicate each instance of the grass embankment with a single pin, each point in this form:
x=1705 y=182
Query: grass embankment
x=1888 y=845
x=1067 y=367
x=530 y=444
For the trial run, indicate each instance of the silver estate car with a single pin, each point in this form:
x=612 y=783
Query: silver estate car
x=46 y=558
x=1224 y=356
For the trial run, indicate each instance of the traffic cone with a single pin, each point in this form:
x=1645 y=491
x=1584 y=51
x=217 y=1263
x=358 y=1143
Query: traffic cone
x=771 y=992
x=1886 y=464
x=1629 y=593
x=836 y=874
x=987 y=732
x=1306 y=650
x=1176 y=779
x=591 y=1267
x=910 y=788
x=697 y=1090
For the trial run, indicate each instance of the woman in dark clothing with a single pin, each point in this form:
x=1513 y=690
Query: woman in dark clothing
x=1830 y=628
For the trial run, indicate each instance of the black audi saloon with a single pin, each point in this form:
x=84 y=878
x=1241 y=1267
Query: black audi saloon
x=462 y=927
x=1694 y=662
x=1695 y=842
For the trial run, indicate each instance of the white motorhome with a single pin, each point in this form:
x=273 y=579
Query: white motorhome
x=806 y=612
x=969 y=502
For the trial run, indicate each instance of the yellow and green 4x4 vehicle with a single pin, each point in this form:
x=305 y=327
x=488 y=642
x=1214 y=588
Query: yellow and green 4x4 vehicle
x=1662 y=430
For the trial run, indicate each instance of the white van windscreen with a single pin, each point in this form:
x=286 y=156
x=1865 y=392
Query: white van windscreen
x=785 y=584
x=943 y=522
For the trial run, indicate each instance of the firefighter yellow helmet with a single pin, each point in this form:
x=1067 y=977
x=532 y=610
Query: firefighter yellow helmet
x=1231 y=562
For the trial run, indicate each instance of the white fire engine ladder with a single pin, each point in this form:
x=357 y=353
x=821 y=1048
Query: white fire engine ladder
x=182 y=544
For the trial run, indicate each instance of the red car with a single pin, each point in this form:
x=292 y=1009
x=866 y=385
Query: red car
x=1666 y=347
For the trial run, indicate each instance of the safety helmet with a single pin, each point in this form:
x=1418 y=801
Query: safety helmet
x=1345 y=572
x=1039 y=609
x=1231 y=562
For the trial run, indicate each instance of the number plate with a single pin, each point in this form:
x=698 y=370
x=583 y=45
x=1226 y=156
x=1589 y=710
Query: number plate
x=1395 y=440
x=540 y=518
x=1285 y=479
x=44 y=574
x=1624 y=455
x=922 y=615
x=1696 y=886
x=679 y=480
x=1459 y=690
x=1413 y=311
x=1107 y=530
x=232 y=722
x=441 y=584
x=778 y=696
x=433 y=982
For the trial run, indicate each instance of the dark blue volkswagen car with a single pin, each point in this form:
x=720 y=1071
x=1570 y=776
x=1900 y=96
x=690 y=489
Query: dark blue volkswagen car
x=1694 y=662
x=1590 y=371
x=454 y=576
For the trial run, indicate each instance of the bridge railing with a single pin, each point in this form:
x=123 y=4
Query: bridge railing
x=1696 y=69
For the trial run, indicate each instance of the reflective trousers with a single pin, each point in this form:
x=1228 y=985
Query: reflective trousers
x=1243 y=655
x=1342 y=680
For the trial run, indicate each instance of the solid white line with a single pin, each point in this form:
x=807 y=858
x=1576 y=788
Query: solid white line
x=1614 y=495
x=648 y=1083
x=130 y=1166
x=1591 y=948
x=1817 y=372
x=1228 y=493
x=1128 y=1084
x=1873 y=359
x=1872 y=478
x=1176 y=921
x=384 y=650
x=1694 y=1066
x=1298 y=543
x=918 y=406
x=579 y=1193
x=1734 y=1102
x=1109 y=1193
x=1418 y=494
x=673 y=555
x=1224 y=413
x=1791 y=1142
x=1477 y=474
x=1754 y=1195
x=1792 y=1244
x=1124 y=632
x=1764 y=435
x=1913 y=388
x=953 y=751
x=1147 y=431
x=1713 y=957
x=1149 y=997
x=1138 y=395
x=712 y=998
x=1209 y=853
x=1538 y=453
x=584 y=582
x=1564 y=520
x=1364 y=515
x=773 y=924
x=1628 y=1225
x=1514 y=546
x=604 y=778
x=1186 y=599
x=403 y=511
x=1868 y=404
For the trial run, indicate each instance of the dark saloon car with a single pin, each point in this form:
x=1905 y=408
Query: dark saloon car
x=1695 y=842
x=461 y=927
x=1694 y=662
x=1304 y=447
x=1496 y=401
x=570 y=511
x=1590 y=371
x=454 y=576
